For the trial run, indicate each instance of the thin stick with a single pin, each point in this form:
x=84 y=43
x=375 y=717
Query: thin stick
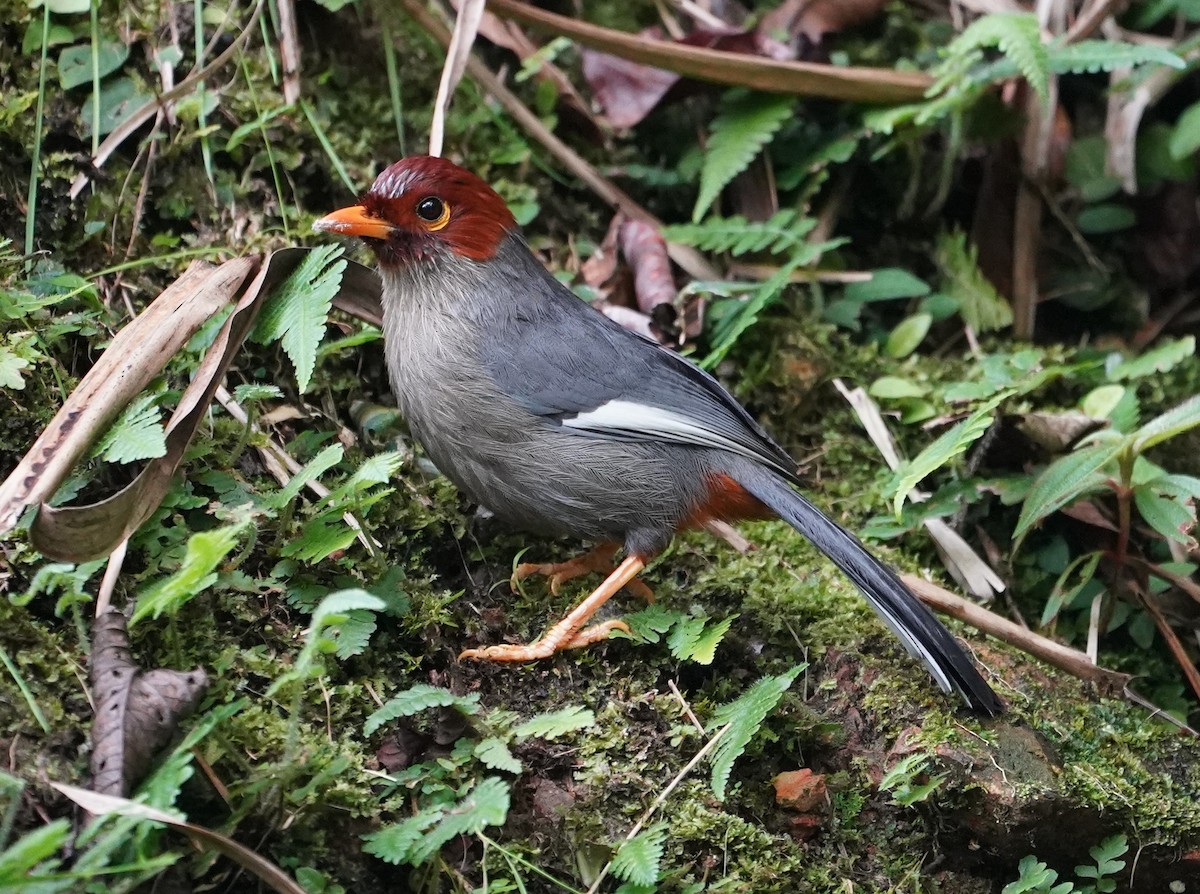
x=687 y=709
x=111 y=573
x=658 y=802
x=1074 y=662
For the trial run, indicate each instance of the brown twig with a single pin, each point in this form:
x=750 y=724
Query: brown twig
x=1074 y=662
x=878 y=85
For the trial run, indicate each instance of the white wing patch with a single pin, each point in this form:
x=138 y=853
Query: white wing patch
x=629 y=418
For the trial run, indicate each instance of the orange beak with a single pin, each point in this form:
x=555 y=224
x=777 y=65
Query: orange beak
x=354 y=221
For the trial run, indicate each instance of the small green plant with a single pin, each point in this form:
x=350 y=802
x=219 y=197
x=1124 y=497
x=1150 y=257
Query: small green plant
x=902 y=780
x=1096 y=878
x=455 y=799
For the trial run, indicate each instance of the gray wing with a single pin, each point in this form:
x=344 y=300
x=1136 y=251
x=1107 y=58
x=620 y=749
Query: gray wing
x=571 y=365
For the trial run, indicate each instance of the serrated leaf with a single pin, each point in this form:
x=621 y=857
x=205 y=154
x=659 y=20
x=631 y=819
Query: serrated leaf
x=555 y=724
x=1063 y=481
x=948 y=445
x=493 y=753
x=246 y=393
x=417 y=698
x=31 y=849
x=651 y=622
x=353 y=635
x=744 y=715
x=1093 y=56
x=1018 y=36
x=1171 y=423
x=981 y=306
x=638 y=859
x=196 y=573
x=684 y=635
x=296 y=311
x=137 y=434
x=319 y=538
x=704 y=647
x=1172 y=518
x=420 y=837
x=1159 y=359
x=313 y=469
x=782 y=232
x=746 y=123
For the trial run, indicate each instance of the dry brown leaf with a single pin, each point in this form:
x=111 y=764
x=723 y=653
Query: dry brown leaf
x=137 y=711
x=136 y=355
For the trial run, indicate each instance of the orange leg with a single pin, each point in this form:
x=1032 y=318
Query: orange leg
x=570 y=633
x=599 y=559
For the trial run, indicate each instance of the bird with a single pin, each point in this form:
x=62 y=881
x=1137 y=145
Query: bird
x=554 y=418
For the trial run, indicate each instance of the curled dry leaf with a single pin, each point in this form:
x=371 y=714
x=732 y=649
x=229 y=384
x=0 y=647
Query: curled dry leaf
x=138 y=353
x=646 y=251
x=137 y=711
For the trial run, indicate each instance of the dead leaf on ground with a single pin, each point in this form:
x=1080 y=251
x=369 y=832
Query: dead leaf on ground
x=138 y=353
x=137 y=711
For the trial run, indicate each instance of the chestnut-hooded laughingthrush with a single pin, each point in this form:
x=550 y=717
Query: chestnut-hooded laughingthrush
x=558 y=420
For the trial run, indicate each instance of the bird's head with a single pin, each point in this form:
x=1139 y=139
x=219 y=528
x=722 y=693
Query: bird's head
x=422 y=208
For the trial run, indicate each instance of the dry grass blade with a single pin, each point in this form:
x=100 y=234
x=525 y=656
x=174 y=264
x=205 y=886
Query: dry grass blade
x=466 y=26
x=131 y=124
x=136 y=355
x=289 y=50
x=855 y=84
x=109 y=805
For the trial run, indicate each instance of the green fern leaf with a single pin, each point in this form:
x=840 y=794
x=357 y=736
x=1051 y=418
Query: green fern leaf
x=420 y=837
x=1092 y=56
x=493 y=753
x=554 y=724
x=196 y=573
x=982 y=307
x=747 y=122
x=296 y=311
x=1017 y=36
x=137 y=434
x=744 y=715
x=638 y=859
x=782 y=232
x=419 y=698
x=320 y=538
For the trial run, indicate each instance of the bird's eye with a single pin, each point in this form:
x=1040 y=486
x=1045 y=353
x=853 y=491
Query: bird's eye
x=434 y=212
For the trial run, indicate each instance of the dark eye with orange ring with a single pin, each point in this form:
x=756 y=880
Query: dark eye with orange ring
x=433 y=211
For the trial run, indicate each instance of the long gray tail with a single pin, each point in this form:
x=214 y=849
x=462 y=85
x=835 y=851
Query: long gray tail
x=914 y=624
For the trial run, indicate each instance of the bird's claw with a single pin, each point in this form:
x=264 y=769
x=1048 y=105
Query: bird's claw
x=546 y=646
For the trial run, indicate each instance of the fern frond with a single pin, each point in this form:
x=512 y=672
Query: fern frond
x=417 y=698
x=638 y=859
x=744 y=715
x=783 y=231
x=1017 y=36
x=747 y=122
x=297 y=310
x=1092 y=56
x=137 y=434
